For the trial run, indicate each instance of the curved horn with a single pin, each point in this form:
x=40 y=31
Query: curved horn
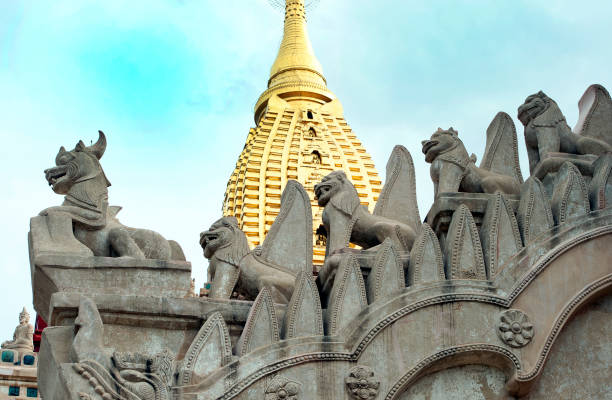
x=99 y=147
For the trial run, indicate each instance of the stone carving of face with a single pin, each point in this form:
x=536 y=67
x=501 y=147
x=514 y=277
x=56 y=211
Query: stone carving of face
x=220 y=234
x=440 y=142
x=534 y=105
x=24 y=318
x=328 y=187
x=75 y=165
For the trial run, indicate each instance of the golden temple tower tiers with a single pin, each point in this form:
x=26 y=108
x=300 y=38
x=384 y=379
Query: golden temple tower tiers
x=300 y=134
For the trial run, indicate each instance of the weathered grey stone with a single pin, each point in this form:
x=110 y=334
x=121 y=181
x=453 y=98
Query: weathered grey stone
x=534 y=214
x=348 y=296
x=546 y=131
x=445 y=205
x=453 y=170
x=362 y=383
x=138 y=337
x=261 y=328
x=600 y=188
x=282 y=388
x=88 y=343
x=570 y=198
x=514 y=328
x=286 y=251
x=463 y=251
x=53 y=272
x=289 y=241
x=397 y=200
x=23 y=336
x=499 y=234
x=347 y=221
x=501 y=151
x=579 y=362
x=387 y=275
x=211 y=349
x=426 y=262
x=304 y=316
x=474 y=382
x=595 y=114
x=54 y=349
x=86 y=215
x=225 y=245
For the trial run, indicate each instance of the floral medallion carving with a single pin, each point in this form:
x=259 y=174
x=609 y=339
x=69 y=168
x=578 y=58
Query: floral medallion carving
x=361 y=383
x=282 y=389
x=514 y=328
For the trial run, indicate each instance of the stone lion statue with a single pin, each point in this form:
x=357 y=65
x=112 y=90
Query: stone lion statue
x=346 y=220
x=224 y=245
x=233 y=267
x=85 y=224
x=546 y=131
x=453 y=170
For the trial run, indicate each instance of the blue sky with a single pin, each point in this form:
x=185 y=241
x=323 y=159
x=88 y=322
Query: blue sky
x=173 y=84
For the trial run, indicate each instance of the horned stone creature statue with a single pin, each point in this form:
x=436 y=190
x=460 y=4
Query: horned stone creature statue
x=453 y=170
x=286 y=251
x=85 y=224
x=546 y=132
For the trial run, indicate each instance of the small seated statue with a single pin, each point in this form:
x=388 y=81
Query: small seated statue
x=23 y=336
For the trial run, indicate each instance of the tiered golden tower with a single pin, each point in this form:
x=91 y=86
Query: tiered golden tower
x=300 y=134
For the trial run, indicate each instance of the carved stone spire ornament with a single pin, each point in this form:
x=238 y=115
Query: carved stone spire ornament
x=348 y=296
x=600 y=189
x=304 y=315
x=463 y=250
x=261 y=328
x=534 y=214
x=426 y=261
x=570 y=197
x=387 y=275
x=499 y=234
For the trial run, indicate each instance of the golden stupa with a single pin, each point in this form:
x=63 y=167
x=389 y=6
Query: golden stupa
x=300 y=134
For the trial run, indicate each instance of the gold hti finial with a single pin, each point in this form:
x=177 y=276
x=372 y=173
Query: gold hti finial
x=296 y=61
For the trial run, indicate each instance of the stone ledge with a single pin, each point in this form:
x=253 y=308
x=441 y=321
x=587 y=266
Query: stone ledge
x=66 y=260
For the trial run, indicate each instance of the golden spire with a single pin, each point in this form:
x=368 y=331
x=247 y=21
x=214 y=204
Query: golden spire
x=296 y=75
x=296 y=60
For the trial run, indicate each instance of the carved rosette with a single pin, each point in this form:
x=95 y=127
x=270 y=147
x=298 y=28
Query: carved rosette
x=361 y=383
x=514 y=328
x=282 y=389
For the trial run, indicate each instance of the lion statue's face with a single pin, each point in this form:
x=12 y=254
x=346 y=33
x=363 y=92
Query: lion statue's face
x=534 y=105
x=329 y=186
x=77 y=165
x=440 y=142
x=220 y=234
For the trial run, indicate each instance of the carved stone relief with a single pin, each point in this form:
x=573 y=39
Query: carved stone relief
x=499 y=234
x=534 y=214
x=361 y=383
x=282 y=389
x=387 y=275
x=426 y=262
x=514 y=328
x=464 y=259
x=570 y=197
